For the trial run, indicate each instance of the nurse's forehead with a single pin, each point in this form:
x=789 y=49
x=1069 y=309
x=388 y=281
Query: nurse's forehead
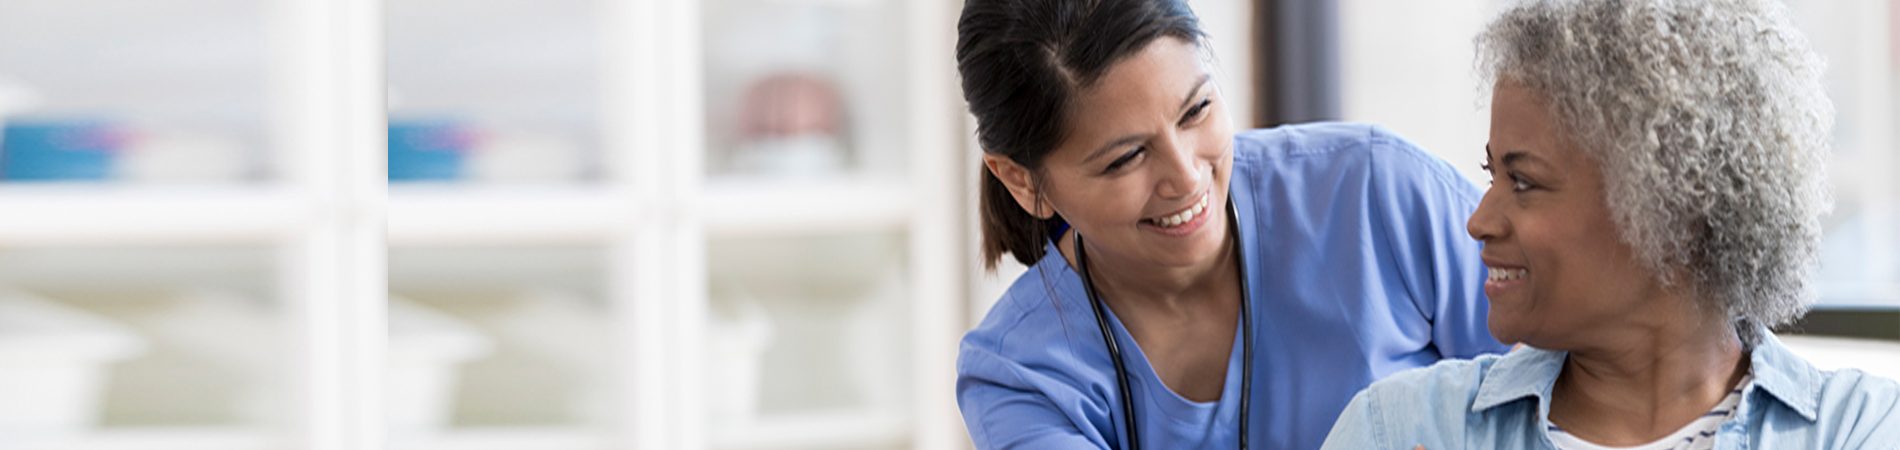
x=1160 y=72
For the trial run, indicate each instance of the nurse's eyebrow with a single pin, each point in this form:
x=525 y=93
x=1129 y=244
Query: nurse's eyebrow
x=1188 y=100
x=1185 y=103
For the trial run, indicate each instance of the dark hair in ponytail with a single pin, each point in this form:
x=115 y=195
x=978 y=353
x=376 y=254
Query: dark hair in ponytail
x=1022 y=63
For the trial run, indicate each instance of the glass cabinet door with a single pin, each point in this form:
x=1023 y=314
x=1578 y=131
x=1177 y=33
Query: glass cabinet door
x=806 y=88
x=494 y=91
x=170 y=91
x=144 y=347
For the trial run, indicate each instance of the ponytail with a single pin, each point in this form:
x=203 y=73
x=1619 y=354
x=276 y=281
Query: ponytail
x=1007 y=228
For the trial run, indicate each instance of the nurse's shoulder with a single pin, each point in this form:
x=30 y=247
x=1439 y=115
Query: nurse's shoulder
x=1033 y=374
x=1035 y=321
x=1340 y=149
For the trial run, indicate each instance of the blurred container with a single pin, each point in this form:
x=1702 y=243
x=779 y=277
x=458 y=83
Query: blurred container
x=550 y=364
x=15 y=97
x=59 y=150
x=428 y=150
x=454 y=150
x=217 y=357
x=426 y=350
x=180 y=155
x=790 y=125
x=739 y=334
x=53 y=149
x=54 y=364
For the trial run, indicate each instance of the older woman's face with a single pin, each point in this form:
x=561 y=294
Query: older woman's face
x=1143 y=171
x=1559 y=274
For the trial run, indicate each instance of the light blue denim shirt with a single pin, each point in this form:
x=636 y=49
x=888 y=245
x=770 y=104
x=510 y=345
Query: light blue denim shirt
x=1498 y=402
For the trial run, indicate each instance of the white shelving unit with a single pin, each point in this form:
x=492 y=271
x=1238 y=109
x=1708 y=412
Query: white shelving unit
x=654 y=238
x=298 y=238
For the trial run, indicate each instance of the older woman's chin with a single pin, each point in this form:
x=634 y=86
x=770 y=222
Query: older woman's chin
x=1508 y=328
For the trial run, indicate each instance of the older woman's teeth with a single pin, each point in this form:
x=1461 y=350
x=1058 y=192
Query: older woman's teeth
x=1507 y=274
x=1184 y=216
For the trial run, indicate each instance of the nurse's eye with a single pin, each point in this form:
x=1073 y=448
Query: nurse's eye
x=1125 y=159
x=1194 y=113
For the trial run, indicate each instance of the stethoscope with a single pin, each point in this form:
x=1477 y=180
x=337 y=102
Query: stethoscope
x=1133 y=441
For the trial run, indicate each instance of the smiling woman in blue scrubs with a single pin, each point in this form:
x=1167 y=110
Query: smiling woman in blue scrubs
x=1189 y=287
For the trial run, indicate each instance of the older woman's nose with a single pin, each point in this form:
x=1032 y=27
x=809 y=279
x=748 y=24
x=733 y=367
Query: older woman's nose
x=1486 y=223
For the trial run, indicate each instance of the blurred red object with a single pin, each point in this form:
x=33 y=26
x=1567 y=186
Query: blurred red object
x=790 y=104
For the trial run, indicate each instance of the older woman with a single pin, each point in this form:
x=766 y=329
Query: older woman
x=1654 y=207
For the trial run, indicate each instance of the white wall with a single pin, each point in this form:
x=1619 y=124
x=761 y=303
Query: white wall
x=1408 y=65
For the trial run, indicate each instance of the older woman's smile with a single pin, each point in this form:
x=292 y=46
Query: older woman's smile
x=1502 y=278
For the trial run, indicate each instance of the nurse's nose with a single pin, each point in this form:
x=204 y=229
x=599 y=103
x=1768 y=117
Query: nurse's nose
x=1181 y=173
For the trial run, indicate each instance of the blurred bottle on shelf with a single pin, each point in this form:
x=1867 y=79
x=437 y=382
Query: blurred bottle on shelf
x=738 y=335
x=55 y=362
x=426 y=351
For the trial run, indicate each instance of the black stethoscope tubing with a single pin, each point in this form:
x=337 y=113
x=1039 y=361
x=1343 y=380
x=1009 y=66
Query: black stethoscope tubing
x=1133 y=440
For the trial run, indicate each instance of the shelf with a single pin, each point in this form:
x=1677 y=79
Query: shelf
x=841 y=429
x=1860 y=295
x=451 y=214
x=504 y=438
x=158 y=438
x=744 y=208
x=464 y=214
x=60 y=214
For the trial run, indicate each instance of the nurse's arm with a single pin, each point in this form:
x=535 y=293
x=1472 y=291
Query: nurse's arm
x=1001 y=418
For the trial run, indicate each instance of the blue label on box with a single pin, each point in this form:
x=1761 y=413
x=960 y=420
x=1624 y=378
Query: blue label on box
x=428 y=151
x=59 y=150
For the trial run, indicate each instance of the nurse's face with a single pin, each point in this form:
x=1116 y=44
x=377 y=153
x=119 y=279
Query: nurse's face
x=1143 y=171
x=1559 y=273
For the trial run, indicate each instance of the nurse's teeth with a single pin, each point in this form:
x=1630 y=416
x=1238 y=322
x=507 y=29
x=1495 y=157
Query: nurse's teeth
x=1183 y=216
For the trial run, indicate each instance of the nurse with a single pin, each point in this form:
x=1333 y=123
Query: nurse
x=1189 y=287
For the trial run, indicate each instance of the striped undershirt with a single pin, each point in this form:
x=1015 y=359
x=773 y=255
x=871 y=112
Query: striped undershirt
x=1698 y=435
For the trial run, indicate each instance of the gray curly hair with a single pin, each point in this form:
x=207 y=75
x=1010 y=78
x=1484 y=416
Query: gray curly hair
x=1711 y=125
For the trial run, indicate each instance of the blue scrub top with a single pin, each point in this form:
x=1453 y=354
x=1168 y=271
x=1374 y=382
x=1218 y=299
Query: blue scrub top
x=1358 y=266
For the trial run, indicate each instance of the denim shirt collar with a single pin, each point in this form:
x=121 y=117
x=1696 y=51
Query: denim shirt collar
x=1531 y=372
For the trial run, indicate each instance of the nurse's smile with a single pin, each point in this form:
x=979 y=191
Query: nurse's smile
x=1180 y=223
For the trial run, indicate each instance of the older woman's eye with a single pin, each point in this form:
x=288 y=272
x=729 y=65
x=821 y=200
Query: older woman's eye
x=1519 y=185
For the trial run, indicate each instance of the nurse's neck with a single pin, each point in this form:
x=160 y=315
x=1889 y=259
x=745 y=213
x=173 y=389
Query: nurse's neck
x=1124 y=280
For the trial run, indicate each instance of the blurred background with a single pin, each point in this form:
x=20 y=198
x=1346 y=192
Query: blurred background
x=619 y=224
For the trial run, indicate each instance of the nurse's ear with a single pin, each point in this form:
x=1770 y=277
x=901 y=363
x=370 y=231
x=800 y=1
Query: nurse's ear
x=1021 y=183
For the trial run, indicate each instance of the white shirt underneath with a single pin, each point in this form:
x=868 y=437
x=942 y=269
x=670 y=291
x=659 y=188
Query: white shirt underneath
x=1698 y=435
